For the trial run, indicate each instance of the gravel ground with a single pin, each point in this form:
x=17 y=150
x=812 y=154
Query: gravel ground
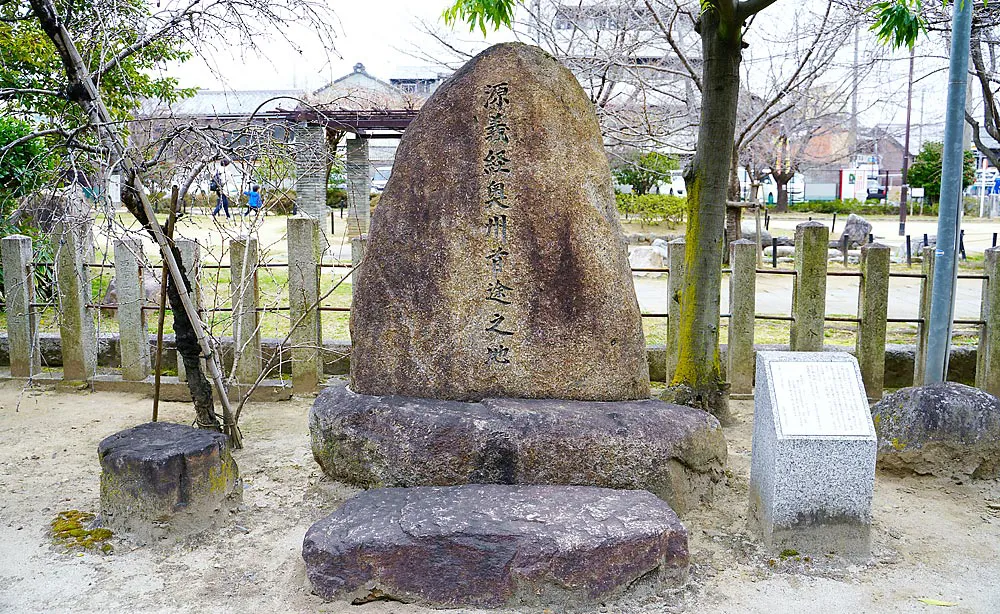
x=934 y=538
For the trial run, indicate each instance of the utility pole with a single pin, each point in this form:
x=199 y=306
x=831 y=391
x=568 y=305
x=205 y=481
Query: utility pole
x=949 y=216
x=904 y=190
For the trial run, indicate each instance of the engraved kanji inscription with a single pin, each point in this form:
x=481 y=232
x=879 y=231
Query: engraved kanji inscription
x=497 y=129
x=496 y=258
x=496 y=162
x=498 y=354
x=496 y=325
x=496 y=195
x=496 y=227
x=497 y=96
x=498 y=292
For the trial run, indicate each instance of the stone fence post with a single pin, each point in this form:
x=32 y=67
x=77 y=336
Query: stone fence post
x=873 y=310
x=191 y=259
x=675 y=285
x=311 y=163
x=988 y=371
x=358 y=186
x=76 y=320
x=924 y=314
x=132 y=332
x=304 y=255
x=22 y=323
x=246 y=329
x=742 y=304
x=809 y=290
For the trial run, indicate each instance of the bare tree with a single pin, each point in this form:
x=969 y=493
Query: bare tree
x=624 y=55
x=119 y=32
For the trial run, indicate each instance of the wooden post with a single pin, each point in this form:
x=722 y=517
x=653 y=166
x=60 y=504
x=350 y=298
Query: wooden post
x=191 y=258
x=76 y=320
x=873 y=309
x=243 y=286
x=675 y=284
x=988 y=369
x=304 y=255
x=809 y=289
x=132 y=332
x=923 y=313
x=742 y=304
x=22 y=323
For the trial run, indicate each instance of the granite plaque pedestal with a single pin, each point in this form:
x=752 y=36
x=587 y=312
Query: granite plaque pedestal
x=813 y=463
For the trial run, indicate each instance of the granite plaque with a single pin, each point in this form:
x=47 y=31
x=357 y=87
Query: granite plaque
x=812 y=470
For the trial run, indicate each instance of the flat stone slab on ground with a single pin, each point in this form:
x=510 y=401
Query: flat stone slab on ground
x=812 y=472
x=677 y=453
x=492 y=545
x=162 y=477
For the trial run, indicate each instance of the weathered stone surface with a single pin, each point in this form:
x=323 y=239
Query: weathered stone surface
x=424 y=322
x=857 y=230
x=944 y=429
x=159 y=478
x=492 y=546
x=748 y=228
x=645 y=258
x=675 y=452
x=150 y=290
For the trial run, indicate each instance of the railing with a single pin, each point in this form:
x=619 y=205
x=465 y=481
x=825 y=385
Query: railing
x=807 y=317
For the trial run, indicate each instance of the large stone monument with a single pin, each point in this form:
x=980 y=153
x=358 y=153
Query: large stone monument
x=498 y=340
x=812 y=472
x=496 y=265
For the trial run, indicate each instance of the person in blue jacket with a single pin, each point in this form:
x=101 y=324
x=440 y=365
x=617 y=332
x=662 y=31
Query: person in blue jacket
x=254 y=201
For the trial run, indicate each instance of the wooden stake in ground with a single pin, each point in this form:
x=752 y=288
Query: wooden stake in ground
x=161 y=316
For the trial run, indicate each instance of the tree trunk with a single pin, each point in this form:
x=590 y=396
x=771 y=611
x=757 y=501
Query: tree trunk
x=698 y=378
x=781 y=180
x=82 y=91
x=188 y=348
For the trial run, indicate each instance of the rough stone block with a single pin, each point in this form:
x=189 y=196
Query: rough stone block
x=161 y=478
x=492 y=546
x=812 y=471
x=510 y=278
x=677 y=453
x=944 y=429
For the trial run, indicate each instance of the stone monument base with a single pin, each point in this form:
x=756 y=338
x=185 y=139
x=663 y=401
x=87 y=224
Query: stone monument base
x=677 y=453
x=162 y=479
x=493 y=546
x=812 y=471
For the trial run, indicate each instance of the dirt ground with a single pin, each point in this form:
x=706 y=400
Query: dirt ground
x=934 y=538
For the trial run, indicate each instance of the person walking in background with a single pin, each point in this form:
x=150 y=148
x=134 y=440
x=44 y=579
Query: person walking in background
x=254 y=201
x=222 y=183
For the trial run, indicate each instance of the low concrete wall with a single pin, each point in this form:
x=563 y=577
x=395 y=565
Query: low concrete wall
x=336 y=357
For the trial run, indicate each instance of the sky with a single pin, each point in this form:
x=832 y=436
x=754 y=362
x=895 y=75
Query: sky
x=375 y=33
x=378 y=34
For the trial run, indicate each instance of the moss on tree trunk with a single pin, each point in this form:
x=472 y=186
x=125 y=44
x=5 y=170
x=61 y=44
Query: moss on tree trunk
x=698 y=378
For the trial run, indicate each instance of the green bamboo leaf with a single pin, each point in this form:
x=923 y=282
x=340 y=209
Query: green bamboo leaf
x=938 y=602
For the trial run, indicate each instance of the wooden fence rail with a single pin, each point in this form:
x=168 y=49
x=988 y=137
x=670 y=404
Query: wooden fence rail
x=807 y=318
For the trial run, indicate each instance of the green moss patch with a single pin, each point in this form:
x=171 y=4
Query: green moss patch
x=69 y=531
